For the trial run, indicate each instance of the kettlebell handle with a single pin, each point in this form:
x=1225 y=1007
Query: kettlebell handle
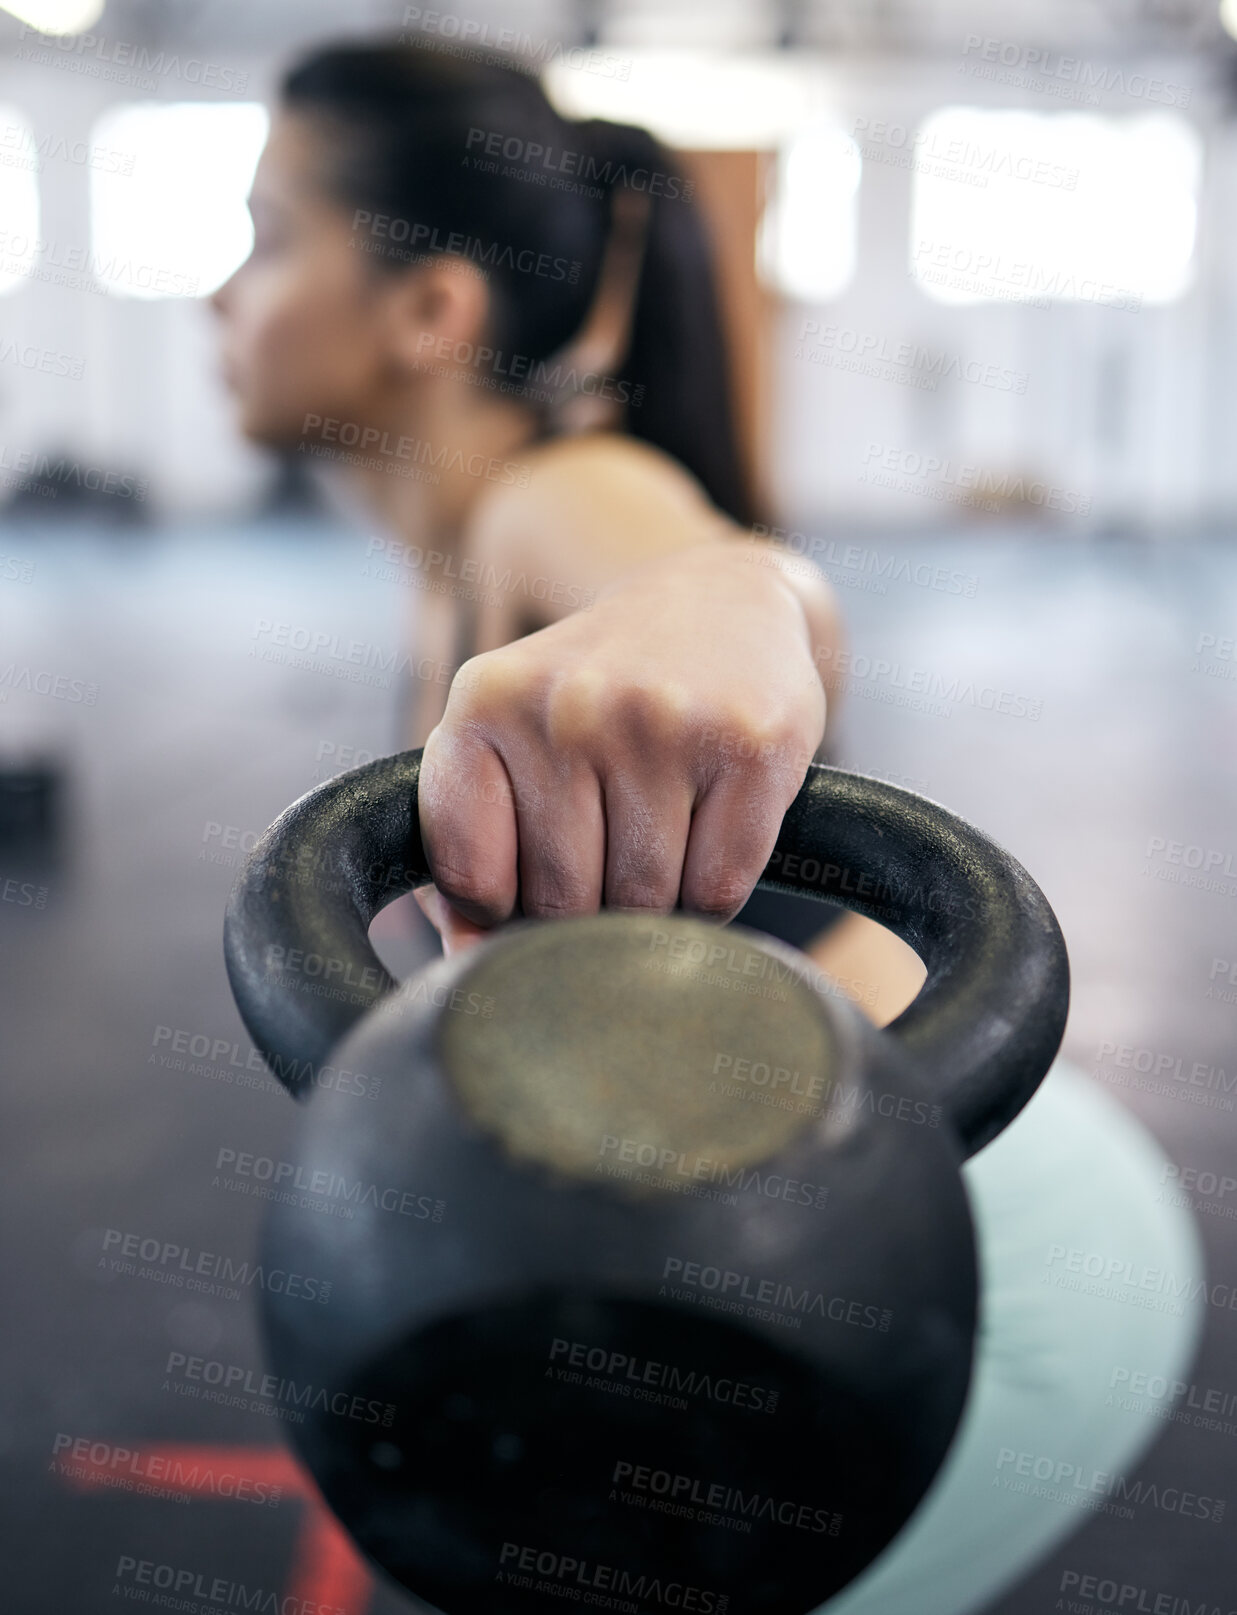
x=985 y=1027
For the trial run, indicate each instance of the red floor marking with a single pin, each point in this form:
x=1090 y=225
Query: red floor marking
x=326 y=1568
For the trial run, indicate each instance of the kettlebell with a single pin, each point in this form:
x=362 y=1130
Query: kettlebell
x=620 y=1260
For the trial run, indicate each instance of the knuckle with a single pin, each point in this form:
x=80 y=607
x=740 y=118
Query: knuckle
x=559 y=904
x=722 y=893
x=644 y=888
x=461 y=882
x=645 y=866
x=770 y=741
x=642 y=899
x=656 y=716
x=576 y=706
x=585 y=704
x=484 y=684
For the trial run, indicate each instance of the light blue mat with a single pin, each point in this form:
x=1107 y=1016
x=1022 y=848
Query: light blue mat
x=1074 y=1184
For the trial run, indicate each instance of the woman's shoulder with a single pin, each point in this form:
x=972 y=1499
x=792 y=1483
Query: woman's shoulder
x=612 y=453
x=587 y=475
x=586 y=509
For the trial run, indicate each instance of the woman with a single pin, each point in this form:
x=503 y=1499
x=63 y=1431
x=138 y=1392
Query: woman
x=631 y=728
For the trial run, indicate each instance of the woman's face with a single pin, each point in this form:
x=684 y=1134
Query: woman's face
x=306 y=319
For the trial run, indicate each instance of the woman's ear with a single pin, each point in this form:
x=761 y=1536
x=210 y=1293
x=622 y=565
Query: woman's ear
x=434 y=308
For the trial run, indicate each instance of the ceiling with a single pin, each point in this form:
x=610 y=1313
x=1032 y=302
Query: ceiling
x=915 y=27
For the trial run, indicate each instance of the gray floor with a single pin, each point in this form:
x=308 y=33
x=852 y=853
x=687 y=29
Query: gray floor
x=193 y=742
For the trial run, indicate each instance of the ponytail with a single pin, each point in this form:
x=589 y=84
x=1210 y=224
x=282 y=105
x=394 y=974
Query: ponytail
x=676 y=361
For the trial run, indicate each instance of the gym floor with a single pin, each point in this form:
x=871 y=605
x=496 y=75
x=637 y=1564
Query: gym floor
x=1084 y=732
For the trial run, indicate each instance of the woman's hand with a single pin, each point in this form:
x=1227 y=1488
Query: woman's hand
x=456 y=932
x=640 y=754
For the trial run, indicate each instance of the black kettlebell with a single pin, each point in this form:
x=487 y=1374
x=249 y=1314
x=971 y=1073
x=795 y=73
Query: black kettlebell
x=624 y=1262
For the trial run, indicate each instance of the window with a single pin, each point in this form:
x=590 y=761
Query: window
x=55 y=16
x=19 y=198
x=1030 y=206
x=175 y=224
x=691 y=99
x=806 y=247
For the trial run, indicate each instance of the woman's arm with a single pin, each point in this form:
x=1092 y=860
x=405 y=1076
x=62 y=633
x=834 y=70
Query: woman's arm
x=653 y=738
x=598 y=507
x=657 y=721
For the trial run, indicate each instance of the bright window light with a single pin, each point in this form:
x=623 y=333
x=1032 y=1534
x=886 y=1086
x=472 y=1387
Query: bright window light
x=1228 y=16
x=55 y=16
x=1032 y=206
x=19 y=199
x=806 y=247
x=177 y=225
x=693 y=99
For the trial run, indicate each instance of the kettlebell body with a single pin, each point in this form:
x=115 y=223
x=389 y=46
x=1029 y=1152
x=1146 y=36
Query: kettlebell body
x=657 y=1283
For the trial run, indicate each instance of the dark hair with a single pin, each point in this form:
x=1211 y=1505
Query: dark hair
x=410 y=125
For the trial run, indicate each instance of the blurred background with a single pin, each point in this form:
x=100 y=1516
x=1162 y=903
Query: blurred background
x=979 y=266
